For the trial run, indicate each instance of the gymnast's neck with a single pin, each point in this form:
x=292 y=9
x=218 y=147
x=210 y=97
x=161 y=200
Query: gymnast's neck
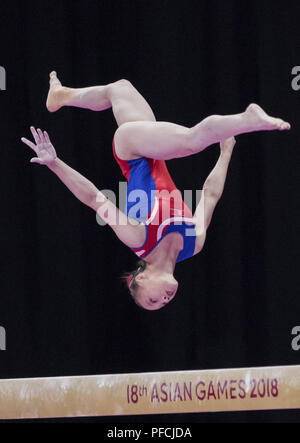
x=164 y=255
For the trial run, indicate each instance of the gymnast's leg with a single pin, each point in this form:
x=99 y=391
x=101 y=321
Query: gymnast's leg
x=140 y=135
x=126 y=102
x=164 y=141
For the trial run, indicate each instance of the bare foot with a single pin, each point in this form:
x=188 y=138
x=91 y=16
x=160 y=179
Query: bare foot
x=57 y=95
x=262 y=121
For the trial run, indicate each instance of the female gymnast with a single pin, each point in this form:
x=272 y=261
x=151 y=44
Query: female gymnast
x=160 y=237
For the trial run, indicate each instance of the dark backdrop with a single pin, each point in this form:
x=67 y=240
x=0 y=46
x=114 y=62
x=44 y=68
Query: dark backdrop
x=62 y=302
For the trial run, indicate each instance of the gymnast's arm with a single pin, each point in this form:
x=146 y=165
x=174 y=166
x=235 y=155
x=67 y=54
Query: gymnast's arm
x=212 y=191
x=128 y=231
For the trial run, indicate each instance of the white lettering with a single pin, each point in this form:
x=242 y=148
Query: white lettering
x=2 y=79
x=295 y=84
x=296 y=340
x=2 y=339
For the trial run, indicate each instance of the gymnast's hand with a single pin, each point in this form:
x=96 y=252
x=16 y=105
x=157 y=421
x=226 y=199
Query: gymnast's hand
x=43 y=148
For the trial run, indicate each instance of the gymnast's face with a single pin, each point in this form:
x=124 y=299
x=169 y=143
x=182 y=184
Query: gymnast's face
x=155 y=290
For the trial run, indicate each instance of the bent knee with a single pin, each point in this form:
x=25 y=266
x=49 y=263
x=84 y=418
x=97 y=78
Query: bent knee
x=123 y=138
x=118 y=86
x=124 y=82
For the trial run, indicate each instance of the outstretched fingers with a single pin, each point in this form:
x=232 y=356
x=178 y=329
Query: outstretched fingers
x=33 y=147
x=41 y=136
x=29 y=143
x=47 y=138
x=35 y=135
x=44 y=150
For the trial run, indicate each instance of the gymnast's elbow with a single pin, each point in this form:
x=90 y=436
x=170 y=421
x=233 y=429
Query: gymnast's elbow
x=212 y=192
x=95 y=199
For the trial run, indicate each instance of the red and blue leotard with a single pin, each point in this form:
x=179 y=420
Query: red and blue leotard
x=160 y=205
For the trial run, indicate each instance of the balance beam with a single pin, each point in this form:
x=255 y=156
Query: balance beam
x=247 y=389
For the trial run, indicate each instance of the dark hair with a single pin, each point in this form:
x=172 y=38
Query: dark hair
x=130 y=279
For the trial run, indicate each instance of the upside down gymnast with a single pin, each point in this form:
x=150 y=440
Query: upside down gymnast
x=140 y=146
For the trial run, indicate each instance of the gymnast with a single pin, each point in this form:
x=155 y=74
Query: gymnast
x=160 y=238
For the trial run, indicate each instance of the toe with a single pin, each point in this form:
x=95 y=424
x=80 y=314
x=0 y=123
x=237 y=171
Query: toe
x=285 y=126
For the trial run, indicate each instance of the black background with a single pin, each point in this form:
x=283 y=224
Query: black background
x=62 y=302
